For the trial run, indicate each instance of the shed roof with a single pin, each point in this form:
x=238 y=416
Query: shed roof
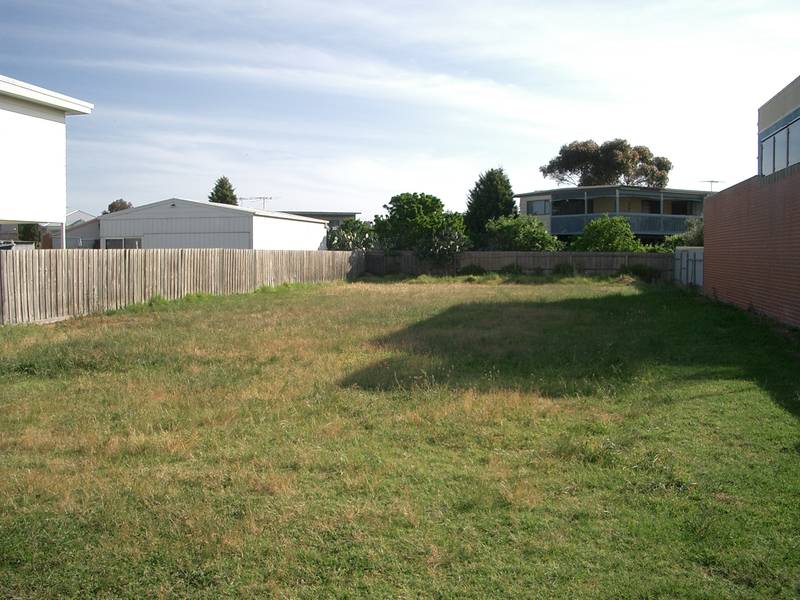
x=322 y=213
x=213 y=205
x=38 y=95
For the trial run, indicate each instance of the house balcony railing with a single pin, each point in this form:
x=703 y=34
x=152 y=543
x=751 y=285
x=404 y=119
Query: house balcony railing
x=641 y=224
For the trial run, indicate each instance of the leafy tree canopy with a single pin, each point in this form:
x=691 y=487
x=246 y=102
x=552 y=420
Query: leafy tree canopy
x=408 y=216
x=608 y=234
x=352 y=234
x=223 y=192
x=443 y=239
x=521 y=233
x=613 y=162
x=30 y=232
x=491 y=197
x=118 y=205
x=419 y=222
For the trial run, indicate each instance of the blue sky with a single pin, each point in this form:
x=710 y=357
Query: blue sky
x=340 y=105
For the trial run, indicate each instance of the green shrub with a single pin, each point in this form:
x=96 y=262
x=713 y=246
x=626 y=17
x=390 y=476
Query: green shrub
x=472 y=270
x=521 y=233
x=608 y=234
x=443 y=239
x=419 y=222
x=352 y=234
x=693 y=236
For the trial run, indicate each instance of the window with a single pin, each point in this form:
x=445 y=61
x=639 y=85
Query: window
x=681 y=207
x=123 y=243
x=573 y=206
x=537 y=207
x=631 y=204
x=781 y=139
x=602 y=204
x=767 y=156
x=794 y=143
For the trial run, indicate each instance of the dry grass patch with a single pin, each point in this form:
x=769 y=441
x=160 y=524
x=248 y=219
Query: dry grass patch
x=428 y=438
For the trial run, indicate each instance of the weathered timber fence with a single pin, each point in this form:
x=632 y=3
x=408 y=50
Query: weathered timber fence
x=49 y=285
x=688 y=267
x=588 y=263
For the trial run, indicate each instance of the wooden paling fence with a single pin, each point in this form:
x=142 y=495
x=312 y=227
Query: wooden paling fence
x=49 y=285
x=588 y=263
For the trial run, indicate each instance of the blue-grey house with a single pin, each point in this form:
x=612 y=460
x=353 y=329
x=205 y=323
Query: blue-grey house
x=652 y=212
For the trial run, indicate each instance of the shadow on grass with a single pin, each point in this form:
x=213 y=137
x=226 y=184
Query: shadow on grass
x=657 y=340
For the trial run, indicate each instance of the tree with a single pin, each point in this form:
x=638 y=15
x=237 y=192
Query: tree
x=443 y=239
x=408 y=217
x=490 y=198
x=419 y=222
x=30 y=232
x=521 y=233
x=693 y=236
x=613 y=162
x=223 y=192
x=608 y=234
x=118 y=205
x=352 y=234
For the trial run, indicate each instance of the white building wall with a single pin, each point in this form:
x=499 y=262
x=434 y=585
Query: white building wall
x=180 y=225
x=32 y=162
x=271 y=233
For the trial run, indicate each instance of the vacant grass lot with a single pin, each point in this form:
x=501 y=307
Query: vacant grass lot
x=573 y=438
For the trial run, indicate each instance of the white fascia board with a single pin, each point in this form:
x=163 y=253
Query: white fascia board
x=37 y=95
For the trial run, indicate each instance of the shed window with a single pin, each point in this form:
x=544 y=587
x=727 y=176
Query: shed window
x=123 y=243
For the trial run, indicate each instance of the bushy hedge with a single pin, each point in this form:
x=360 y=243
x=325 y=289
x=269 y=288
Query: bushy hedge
x=352 y=234
x=521 y=233
x=608 y=234
x=693 y=236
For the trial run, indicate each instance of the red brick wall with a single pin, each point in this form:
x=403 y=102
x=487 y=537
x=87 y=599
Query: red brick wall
x=752 y=246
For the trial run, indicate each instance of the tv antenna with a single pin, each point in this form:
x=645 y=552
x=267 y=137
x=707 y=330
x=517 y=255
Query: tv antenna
x=254 y=201
x=711 y=183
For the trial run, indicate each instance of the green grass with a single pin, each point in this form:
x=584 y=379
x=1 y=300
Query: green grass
x=466 y=437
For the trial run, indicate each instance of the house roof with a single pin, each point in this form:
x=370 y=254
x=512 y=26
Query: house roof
x=38 y=95
x=610 y=187
x=214 y=205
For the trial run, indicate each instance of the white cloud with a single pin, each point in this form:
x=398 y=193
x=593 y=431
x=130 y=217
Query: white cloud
x=480 y=84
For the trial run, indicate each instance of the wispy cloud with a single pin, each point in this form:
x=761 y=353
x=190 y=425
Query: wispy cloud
x=347 y=104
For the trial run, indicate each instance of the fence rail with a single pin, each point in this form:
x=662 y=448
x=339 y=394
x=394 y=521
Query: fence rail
x=589 y=263
x=49 y=285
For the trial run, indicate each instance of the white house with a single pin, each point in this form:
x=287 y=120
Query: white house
x=33 y=152
x=182 y=223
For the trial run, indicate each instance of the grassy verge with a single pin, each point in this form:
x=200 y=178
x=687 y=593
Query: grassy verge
x=552 y=438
